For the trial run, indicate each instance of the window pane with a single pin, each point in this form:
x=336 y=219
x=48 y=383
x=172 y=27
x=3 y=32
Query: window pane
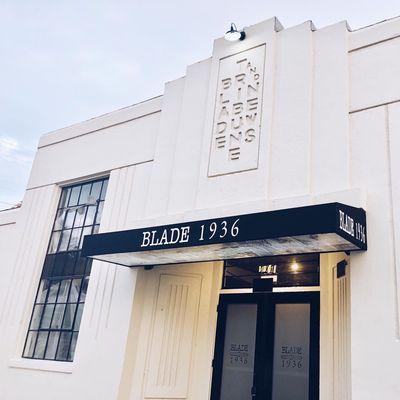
x=73 y=345
x=64 y=197
x=48 y=265
x=88 y=267
x=104 y=190
x=99 y=212
x=65 y=263
x=86 y=231
x=55 y=237
x=91 y=213
x=59 y=264
x=58 y=316
x=64 y=240
x=239 y=351
x=75 y=288
x=69 y=219
x=58 y=225
x=83 y=199
x=53 y=291
x=64 y=289
x=30 y=344
x=78 y=316
x=42 y=293
x=37 y=313
x=290 y=375
x=241 y=273
x=47 y=315
x=69 y=316
x=96 y=189
x=80 y=266
x=52 y=345
x=41 y=344
x=73 y=200
x=75 y=238
x=85 y=284
x=70 y=260
x=63 y=346
x=80 y=216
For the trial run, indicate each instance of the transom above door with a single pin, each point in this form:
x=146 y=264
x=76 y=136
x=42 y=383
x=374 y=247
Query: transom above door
x=267 y=347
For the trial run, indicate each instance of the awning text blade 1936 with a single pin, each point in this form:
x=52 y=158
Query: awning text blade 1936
x=311 y=229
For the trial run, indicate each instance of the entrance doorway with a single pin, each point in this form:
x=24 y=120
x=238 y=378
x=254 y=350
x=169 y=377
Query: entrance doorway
x=267 y=347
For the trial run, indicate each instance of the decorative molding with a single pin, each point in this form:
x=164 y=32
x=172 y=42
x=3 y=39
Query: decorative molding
x=173 y=337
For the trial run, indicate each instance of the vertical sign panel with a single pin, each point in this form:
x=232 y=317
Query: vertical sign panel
x=237 y=116
x=239 y=348
x=291 y=366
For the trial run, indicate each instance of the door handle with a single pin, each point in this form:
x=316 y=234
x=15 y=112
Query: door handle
x=253 y=392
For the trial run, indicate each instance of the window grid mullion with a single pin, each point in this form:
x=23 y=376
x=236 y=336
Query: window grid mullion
x=73 y=323
x=69 y=291
x=70 y=235
x=62 y=321
x=51 y=321
x=31 y=319
x=82 y=228
x=51 y=279
x=65 y=218
x=41 y=316
x=54 y=310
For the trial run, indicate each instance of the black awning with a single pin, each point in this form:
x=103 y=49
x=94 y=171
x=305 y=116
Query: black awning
x=311 y=229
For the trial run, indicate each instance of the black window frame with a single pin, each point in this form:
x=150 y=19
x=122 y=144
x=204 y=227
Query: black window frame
x=63 y=283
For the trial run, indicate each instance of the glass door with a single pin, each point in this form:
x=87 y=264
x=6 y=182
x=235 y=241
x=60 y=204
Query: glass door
x=267 y=347
x=235 y=346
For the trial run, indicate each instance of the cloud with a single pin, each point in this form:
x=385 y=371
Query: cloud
x=10 y=150
x=8 y=144
x=15 y=163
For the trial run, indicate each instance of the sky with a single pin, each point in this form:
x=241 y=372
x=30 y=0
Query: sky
x=65 y=61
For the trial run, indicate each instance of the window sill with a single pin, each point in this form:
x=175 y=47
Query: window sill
x=42 y=365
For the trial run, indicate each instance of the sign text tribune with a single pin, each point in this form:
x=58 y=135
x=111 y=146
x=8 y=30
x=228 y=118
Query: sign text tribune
x=237 y=116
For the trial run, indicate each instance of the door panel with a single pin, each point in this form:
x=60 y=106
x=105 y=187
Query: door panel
x=239 y=350
x=267 y=347
x=290 y=372
x=235 y=343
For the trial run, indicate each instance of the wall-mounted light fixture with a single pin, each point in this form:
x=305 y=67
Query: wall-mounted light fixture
x=233 y=34
x=294 y=266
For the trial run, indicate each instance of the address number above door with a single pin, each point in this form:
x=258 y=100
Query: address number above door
x=237 y=116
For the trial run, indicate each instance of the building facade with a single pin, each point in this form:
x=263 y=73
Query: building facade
x=237 y=237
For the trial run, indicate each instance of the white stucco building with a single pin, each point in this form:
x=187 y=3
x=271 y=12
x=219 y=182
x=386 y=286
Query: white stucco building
x=299 y=119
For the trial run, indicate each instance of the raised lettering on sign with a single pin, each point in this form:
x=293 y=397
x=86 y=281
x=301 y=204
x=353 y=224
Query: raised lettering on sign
x=237 y=115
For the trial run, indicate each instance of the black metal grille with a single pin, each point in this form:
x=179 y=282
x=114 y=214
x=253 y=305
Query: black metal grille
x=57 y=312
